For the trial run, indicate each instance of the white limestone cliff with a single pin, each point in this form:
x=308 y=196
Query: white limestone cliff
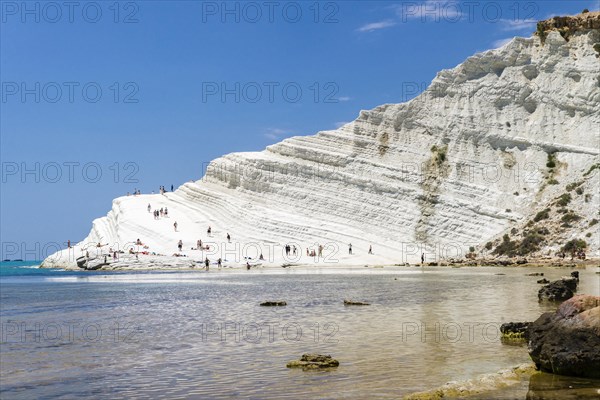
x=457 y=166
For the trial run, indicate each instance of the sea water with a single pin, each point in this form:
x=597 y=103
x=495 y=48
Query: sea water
x=196 y=334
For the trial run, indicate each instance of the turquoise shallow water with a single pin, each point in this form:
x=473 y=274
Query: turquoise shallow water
x=204 y=335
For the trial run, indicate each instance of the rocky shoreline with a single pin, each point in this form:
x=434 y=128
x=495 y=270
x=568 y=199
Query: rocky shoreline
x=167 y=263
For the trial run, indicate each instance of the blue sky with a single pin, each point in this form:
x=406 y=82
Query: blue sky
x=97 y=95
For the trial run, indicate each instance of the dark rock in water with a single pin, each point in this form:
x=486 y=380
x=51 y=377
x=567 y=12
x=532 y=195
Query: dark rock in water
x=575 y=274
x=543 y=281
x=273 y=303
x=536 y=274
x=355 y=303
x=558 y=290
x=567 y=342
x=314 y=361
x=499 y=274
x=515 y=330
x=523 y=261
x=433 y=264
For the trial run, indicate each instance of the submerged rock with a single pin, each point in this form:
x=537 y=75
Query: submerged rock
x=273 y=304
x=515 y=330
x=355 y=303
x=536 y=274
x=314 y=361
x=543 y=281
x=544 y=386
x=567 y=342
x=558 y=290
x=478 y=388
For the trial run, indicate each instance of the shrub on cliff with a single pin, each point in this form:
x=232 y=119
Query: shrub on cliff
x=574 y=245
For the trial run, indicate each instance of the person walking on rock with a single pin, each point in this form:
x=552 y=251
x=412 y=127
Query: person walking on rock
x=228 y=238
x=370 y=249
x=175 y=226
x=350 y=249
x=180 y=245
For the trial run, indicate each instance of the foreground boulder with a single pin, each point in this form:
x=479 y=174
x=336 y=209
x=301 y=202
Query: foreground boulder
x=314 y=361
x=567 y=342
x=559 y=290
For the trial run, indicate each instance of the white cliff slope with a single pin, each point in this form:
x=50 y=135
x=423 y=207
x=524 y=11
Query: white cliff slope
x=457 y=166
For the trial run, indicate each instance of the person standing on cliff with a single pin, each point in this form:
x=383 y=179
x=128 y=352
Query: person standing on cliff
x=180 y=244
x=228 y=238
x=175 y=226
x=370 y=249
x=209 y=230
x=422 y=258
x=350 y=249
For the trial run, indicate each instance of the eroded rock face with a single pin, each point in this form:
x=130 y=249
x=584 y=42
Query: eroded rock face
x=567 y=342
x=569 y=25
x=559 y=290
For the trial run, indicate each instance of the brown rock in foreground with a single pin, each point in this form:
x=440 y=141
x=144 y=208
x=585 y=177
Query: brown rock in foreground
x=567 y=342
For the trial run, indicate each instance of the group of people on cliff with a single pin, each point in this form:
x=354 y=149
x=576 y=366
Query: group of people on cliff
x=163 y=212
